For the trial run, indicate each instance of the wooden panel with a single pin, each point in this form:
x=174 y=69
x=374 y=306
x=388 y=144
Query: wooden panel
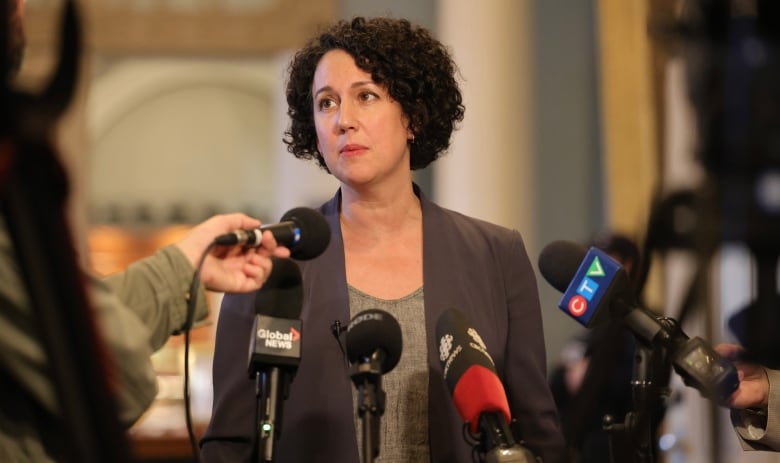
x=630 y=128
x=632 y=80
x=204 y=28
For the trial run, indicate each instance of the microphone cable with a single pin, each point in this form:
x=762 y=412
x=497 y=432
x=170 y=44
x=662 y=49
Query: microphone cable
x=336 y=328
x=192 y=297
x=472 y=440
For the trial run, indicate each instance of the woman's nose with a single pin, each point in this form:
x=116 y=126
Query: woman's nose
x=346 y=118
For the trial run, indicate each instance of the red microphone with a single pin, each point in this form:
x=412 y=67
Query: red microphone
x=477 y=392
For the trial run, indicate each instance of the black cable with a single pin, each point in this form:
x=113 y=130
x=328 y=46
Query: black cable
x=191 y=304
x=473 y=442
x=336 y=328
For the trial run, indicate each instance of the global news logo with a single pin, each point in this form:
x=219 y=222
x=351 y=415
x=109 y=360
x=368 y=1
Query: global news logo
x=276 y=339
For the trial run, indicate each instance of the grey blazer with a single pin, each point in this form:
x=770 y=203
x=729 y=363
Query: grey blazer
x=477 y=267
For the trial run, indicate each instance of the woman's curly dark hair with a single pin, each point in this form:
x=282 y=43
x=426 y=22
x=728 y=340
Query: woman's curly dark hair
x=416 y=69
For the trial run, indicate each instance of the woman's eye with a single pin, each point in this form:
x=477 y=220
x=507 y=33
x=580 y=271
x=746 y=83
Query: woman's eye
x=325 y=103
x=368 y=96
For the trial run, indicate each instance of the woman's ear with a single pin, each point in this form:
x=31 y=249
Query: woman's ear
x=410 y=133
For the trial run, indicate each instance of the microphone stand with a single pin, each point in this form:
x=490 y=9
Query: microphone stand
x=267 y=382
x=367 y=377
x=272 y=386
x=632 y=441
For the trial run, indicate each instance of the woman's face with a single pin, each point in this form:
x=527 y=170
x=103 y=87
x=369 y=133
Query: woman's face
x=362 y=132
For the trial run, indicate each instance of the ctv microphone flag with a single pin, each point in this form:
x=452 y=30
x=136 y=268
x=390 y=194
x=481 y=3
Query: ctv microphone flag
x=591 y=287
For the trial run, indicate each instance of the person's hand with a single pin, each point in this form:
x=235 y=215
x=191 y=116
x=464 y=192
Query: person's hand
x=575 y=374
x=231 y=268
x=753 y=390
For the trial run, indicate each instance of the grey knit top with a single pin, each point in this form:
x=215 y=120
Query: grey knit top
x=404 y=425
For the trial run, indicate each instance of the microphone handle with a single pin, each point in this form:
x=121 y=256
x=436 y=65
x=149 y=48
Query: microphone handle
x=516 y=454
x=267 y=430
x=498 y=443
x=286 y=233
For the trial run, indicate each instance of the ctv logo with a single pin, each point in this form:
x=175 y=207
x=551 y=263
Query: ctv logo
x=586 y=289
x=588 y=285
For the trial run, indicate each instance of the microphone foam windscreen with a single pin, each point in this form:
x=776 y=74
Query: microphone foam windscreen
x=559 y=261
x=282 y=294
x=479 y=390
x=315 y=232
x=468 y=369
x=371 y=330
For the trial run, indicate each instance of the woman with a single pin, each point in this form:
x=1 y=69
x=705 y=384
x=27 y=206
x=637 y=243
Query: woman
x=370 y=101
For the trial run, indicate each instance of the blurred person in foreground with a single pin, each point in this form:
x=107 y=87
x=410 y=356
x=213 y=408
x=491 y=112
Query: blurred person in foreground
x=371 y=100
x=134 y=313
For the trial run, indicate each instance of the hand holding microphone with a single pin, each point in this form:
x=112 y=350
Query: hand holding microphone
x=303 y=230
x=596 y=289
x=476 y=389
x=753 y=390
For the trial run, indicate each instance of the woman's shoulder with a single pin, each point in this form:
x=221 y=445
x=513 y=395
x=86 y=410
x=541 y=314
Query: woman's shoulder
x=466 y=223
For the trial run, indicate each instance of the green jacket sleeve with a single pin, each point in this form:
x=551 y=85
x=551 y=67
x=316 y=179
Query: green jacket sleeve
x=155 y=289
x=135 y=313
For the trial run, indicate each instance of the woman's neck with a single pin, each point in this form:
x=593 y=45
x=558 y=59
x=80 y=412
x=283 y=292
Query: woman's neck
x=382 y=238
x=377 y=212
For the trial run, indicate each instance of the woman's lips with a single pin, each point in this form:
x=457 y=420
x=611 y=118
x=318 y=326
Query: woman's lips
x=353 y=150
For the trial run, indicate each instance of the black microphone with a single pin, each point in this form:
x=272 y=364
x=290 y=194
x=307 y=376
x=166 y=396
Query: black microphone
x=275 y=349
x=303 y=230
x=595 y=289
x=373 y=348
x=476 y=389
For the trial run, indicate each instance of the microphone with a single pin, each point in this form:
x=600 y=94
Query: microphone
x=374 y=334
x=275 y=349
x=373 y=348
x=476 y=390
x=596 y=288
x=303 y=230
x=601 y=282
